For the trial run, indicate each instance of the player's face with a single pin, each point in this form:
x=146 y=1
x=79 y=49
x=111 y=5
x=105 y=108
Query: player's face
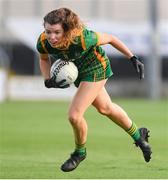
x=54 y=33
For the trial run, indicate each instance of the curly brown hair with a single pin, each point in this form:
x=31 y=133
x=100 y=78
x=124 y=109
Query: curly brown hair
x=71 y=24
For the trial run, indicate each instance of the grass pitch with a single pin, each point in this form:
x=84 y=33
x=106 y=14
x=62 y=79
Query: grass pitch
x=36 y=138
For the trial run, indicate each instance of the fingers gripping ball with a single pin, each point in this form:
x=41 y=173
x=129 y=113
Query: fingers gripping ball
x=64 y=70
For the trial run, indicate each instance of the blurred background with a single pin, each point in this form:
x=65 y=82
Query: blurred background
x=141 y=24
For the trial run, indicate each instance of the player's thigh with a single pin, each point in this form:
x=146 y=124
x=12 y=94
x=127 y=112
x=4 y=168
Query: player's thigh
x=103 y=102
x=85 y=95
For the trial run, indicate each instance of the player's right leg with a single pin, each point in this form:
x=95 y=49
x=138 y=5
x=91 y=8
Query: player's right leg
x=114 y=112
x=83 y=98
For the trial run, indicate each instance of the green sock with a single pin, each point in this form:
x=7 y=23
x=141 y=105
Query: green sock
x=133 y=132
x=81 y=149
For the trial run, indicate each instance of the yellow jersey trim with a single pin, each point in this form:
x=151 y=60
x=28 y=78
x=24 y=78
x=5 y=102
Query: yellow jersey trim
x=42 y=39
x=83 y=41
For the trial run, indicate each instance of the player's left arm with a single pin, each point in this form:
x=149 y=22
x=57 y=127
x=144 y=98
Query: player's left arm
x=115 y=42
x=120 y=46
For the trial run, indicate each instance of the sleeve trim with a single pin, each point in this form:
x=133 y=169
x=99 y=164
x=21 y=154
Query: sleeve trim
x=83 y=41
x=42 y=38
x=98 y=40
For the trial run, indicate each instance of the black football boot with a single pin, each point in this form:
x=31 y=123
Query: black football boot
x=143 y=143
x=72 y=163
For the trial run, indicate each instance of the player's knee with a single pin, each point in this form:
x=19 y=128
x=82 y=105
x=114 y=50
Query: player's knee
x=105 y=110
x=74 y=117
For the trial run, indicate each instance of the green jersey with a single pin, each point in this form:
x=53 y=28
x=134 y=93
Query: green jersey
x=90 y=59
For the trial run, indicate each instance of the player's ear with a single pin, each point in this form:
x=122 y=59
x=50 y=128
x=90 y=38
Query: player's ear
x=65 y=27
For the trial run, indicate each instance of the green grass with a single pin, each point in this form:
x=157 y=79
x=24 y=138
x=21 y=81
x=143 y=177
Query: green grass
x=35 y=138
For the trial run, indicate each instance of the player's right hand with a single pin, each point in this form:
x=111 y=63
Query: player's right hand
x=51 y=83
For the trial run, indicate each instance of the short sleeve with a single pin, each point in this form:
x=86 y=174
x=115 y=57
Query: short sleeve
x=89 y=39
x=41 y=45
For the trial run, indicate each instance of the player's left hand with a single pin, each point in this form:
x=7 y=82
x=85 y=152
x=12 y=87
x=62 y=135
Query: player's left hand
x=138 y=65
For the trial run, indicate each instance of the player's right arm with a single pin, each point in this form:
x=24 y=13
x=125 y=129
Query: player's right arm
x=44 y=60
x=49 y=82
x=45 y=65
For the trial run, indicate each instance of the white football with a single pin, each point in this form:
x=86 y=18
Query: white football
x=64 y=70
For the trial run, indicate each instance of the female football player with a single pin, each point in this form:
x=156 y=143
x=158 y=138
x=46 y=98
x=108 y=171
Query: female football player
x=65 y=37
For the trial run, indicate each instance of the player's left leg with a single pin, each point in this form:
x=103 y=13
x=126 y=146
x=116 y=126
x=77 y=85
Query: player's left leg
x=114 y=112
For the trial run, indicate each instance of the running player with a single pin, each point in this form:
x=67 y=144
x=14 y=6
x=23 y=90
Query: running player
x=67 y=38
